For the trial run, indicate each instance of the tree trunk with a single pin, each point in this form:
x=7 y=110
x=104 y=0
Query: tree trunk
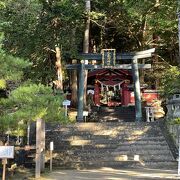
x=43 y=145
x=143 y=34
x=38 y=149
x=86 y=45
x=155 y=58
x=178 y=60
x=59 y=82
x=73 y=74
x=74 y=86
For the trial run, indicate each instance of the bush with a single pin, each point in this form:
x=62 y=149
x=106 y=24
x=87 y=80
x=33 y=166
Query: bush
x=28 y=103
x=170 y=82
x=174 y=121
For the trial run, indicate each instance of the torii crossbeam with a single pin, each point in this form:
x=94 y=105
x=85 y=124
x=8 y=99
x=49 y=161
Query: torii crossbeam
x=109 y=58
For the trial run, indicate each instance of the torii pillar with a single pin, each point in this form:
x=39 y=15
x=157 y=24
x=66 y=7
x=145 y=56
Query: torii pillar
x=137 y=91
x=81 y=93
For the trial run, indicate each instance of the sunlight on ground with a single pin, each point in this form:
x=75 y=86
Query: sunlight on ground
x=111 y=174
x=140 y=132
x=100 y=145
x=80 y=142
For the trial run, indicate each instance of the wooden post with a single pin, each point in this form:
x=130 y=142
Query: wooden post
x=38 y=148
x=50 y=160
x=28 y=133
x=42 y=145
x=81 y=93
x=66 y=110
x=4 y=162
x=137 y=91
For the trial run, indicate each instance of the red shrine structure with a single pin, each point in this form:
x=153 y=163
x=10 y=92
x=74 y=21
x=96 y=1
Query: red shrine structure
x=112 y=79
x=114 y=87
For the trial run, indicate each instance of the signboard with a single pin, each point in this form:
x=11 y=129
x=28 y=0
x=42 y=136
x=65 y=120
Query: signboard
x=108 y=57
x=6 y=152
x=85 y=113
x=66 y=103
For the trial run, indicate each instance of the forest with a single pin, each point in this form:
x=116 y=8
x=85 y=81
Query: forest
x=39 y=36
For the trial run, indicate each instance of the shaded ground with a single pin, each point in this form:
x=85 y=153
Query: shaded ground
x=111 y=174
x=99 y=174
x=20 y=173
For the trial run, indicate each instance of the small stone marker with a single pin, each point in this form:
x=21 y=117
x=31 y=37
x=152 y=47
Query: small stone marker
x=51 y=153
x=149 y=114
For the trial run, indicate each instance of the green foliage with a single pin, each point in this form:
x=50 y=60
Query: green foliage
x=174 y=121
x=32 y=29
x=11 y=67
x=131 y=25
x=170 y=82
x=28 y=103
x=2 y=84
x=2 y=4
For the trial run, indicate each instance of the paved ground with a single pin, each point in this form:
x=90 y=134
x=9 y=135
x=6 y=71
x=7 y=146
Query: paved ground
x=111 y=174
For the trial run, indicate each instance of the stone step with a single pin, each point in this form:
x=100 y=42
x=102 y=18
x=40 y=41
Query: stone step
x=114 y=147
x=107 y=136
x=106 y=152
x=101 y=126
x=110 y=131
x=94 y=165
x=120 y=157
x=145 y=137
x=115 y=114
x=105 y=142
x=116 y=164
x=118 y=115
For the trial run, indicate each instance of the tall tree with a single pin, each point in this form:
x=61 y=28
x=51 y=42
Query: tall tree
x=86 y=43
x=44 y=24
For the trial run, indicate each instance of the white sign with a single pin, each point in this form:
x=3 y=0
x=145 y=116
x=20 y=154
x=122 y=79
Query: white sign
x=85 y=113
x=51 y=146
x=66 y=103
x=6 y=152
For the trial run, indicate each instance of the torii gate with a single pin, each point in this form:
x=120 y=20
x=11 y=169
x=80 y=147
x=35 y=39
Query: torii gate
x=108 y=58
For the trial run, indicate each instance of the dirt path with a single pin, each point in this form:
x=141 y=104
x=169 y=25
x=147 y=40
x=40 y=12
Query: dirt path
x=112 y=174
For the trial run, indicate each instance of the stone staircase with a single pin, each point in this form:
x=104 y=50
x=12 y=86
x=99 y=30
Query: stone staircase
x=116 y=114
x=107 y=144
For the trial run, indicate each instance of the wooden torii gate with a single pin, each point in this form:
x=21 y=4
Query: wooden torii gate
x=108 y=58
